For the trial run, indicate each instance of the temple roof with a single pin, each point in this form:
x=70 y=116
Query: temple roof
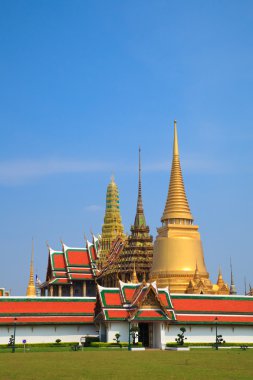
x=72 y=263
x=138 y=302
x=128 y=302
x=205 y=308
x=46 y=310
x=177 y=206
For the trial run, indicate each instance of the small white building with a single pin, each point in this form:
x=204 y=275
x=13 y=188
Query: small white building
x=159 y=315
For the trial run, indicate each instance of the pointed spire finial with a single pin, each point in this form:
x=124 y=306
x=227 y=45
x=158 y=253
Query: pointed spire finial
x=176 y=206
x=31 y=290
x=139 y=203
x=134 y=278
x=196 y=274
x=232 y=283
x=139 y=217
x=220 y=281
x=175 y=145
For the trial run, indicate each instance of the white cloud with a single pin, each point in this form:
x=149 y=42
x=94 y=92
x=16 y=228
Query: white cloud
x=23 y=171
x=93 y=208
x=19 y=172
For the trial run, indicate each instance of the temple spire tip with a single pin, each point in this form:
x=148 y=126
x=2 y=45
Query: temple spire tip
x=31 y=290
x=175 y=147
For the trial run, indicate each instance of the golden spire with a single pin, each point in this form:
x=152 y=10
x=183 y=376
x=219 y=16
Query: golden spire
x=139 y=217
x=31 y=290
x=220 y=281
x=232 y=289
x=177 y=206
x=196 y=274
x=134 y=278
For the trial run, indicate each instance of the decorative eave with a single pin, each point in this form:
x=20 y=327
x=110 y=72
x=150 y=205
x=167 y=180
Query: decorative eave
x=114 y=305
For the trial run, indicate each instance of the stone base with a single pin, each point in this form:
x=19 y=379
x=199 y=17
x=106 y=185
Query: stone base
x=178 y=348
x=137 y=348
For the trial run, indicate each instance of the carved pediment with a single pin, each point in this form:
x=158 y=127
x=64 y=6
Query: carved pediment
x=150 y=301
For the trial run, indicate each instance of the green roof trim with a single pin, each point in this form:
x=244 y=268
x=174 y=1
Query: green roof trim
x=211 y=297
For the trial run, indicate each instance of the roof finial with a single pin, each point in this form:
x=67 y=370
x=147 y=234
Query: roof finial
x=232 y=284
x=139 y=203
x=139 y=217
x=220 y=281
x=175 y=146
x=31 y=290
x=134 y=278
x=196 y=274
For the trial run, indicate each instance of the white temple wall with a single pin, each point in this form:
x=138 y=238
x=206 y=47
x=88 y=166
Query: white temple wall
x=47 y=334
x=206 y=334
x=117 y=327
x=157 y=335
x=162 y=333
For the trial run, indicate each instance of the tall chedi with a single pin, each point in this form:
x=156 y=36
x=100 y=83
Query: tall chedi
x=112 y=227
x=178 y=248
x=31 y=290
x=136 y=257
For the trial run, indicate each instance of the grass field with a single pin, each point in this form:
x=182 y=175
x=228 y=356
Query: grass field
x=196 y=364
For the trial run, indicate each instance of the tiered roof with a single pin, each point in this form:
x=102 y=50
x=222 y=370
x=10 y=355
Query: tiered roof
x=146 y=302
x=135 y=302
x=46 y=310
x=205 y=308
x=129 y=302
x=72 y=263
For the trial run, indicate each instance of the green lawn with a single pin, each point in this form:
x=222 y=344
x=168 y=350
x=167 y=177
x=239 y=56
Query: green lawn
x=198 y=364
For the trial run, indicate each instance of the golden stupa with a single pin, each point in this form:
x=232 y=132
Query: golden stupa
x=178 y=247
x=31 y=290
x=112 y=227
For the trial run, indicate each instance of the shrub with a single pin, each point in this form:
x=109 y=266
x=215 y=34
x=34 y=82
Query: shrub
x=110 y=344
x=180 y=337
x=117 y=336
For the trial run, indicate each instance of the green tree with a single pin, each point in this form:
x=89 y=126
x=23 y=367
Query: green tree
x=180 y=337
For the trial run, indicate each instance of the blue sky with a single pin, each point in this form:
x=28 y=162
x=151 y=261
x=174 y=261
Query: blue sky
x=84 y=83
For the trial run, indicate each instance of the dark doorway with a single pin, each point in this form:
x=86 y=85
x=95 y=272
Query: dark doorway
x=144 y=334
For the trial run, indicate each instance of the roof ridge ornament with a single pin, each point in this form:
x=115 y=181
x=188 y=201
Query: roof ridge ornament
x=31 y=290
